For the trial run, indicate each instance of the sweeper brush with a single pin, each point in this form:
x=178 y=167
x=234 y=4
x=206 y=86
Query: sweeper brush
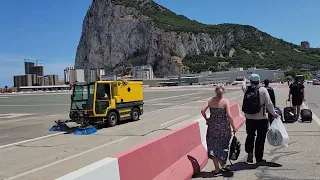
x=60 y=126
x=85 y=130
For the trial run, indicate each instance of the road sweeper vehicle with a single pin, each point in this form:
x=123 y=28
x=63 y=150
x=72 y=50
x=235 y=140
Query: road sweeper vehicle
x=104 y=103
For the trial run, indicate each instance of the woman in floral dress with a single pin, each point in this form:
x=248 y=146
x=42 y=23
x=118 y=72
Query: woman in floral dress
x=219 y=130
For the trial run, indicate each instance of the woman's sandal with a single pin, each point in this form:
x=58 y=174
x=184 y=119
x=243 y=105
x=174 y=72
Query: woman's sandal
x=226 y=169
x=216 y=173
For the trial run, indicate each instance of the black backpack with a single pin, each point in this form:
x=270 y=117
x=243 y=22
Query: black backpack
x=235 y=148
x=295 y=88
x=251 y=101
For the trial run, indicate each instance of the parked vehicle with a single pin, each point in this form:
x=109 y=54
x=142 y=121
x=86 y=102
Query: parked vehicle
x=309 y=82
x=316 y=82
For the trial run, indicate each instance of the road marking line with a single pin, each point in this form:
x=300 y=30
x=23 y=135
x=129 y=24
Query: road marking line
x=162 y=109
x=33 y=105
x=170 y=97
x=65 y=159
x=174 y=120
x=159 y=104
x=1 y=137
x=12 y=115
x=36 y=105
x=38 y=94
x=236 y=97
x=30 y=118
x=30 y=140
x=316 y=118
x=195 y=98
x=170 y=107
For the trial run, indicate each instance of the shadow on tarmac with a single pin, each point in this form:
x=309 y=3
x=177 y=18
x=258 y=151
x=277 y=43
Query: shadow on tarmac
x=235 y=167
x=245 y=166
x=226 y=174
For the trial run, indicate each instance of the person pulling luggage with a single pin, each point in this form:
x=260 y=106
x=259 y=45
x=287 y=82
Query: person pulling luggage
x=256 y=100
x=296 y=92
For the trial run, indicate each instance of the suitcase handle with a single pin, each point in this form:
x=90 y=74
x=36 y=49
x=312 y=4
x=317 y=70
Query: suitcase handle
x=289 y=103
x=306 y=104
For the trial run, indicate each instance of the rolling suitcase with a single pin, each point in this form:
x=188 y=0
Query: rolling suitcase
x=289 y=113
x=306 y=113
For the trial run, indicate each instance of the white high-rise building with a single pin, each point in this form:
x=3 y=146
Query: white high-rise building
x=73 y=75
x=142 y=72
x=92 y=74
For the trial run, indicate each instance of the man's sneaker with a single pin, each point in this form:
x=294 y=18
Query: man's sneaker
x=261 y=162
x=250 y=158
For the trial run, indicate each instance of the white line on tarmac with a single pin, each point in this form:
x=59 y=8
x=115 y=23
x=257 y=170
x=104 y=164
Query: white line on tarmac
x=174 y=120
x=30 y=140
x=31 y=105
x=170 y=97
x=29 y=118
x=162 y=109
x=10 y=116
x=37 y=94
x=316 y=118
x=159 y=104
x=36 y=105
x=236 y=97
x=195 y=97
x=65 y=159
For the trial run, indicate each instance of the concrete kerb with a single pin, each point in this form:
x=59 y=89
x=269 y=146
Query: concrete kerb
x=203 y=131
x=107 y=168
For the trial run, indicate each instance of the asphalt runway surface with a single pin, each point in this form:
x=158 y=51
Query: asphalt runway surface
x=29 y=151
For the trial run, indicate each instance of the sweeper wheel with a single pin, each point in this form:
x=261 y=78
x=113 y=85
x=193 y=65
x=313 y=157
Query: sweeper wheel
x=135 y=114
x=112 y=119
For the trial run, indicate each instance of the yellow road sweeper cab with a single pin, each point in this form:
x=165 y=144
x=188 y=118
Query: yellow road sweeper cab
x=106 y=102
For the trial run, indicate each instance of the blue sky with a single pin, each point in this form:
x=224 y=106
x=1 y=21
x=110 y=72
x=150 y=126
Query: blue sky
x=50 y=30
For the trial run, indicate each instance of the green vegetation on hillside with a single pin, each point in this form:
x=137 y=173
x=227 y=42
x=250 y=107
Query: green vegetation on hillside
x=170 y=21
x=274 y=53
x=274 y=58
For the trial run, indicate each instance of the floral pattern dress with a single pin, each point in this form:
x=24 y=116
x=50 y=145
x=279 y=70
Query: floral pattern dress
x=218 y=134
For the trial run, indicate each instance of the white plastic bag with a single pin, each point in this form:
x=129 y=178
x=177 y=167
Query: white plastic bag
x=277 y=135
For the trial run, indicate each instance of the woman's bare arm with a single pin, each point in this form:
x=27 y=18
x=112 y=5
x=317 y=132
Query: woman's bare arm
x=204 y=109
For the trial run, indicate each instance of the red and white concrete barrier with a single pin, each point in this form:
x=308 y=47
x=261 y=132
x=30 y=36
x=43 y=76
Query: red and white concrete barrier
x=175 y=155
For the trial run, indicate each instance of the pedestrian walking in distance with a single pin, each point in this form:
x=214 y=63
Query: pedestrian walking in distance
x=255 y=103
x=219 y=128
x=297 y=93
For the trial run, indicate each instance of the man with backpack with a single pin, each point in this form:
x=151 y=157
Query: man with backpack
x=297 y=93
x=272 y=97
x=255 y=102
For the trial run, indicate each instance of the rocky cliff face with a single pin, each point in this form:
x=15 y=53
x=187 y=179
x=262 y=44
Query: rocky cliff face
x=116 y=37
